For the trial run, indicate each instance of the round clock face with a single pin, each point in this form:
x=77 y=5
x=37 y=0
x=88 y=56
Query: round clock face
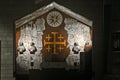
x=54 y=19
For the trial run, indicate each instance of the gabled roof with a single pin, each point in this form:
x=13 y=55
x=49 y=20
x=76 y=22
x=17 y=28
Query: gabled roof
x=47 y=8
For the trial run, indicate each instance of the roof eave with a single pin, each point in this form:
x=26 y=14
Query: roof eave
x=47 y=8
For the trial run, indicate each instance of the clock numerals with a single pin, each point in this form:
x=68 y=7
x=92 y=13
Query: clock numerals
x=54 y=19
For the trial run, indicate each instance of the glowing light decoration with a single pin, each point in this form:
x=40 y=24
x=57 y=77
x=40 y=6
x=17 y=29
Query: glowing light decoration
x=54 y=42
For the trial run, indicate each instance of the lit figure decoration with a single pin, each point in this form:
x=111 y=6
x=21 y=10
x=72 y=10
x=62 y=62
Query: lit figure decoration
x=76 y=48
x=22 y=59
x=21 y=48
x=73 y=59
x=32 y=49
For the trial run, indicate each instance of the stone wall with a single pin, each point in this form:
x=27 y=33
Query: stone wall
x=6 y=37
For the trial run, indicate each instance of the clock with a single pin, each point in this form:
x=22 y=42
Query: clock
x=54 y=19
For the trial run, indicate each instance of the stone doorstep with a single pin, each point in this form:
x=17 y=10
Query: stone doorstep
x=54 y=65
x=57 y=65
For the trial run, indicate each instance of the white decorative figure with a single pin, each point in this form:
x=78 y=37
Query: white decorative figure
x=76 y=48
x=73 y=59
x=32 y=49
x=21 y=49
x=35 y=59
x=22 y=59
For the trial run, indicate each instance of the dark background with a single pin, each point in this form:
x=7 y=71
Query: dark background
x=105 y=17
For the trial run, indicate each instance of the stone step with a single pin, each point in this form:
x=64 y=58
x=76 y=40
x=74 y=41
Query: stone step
x=53 y=65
